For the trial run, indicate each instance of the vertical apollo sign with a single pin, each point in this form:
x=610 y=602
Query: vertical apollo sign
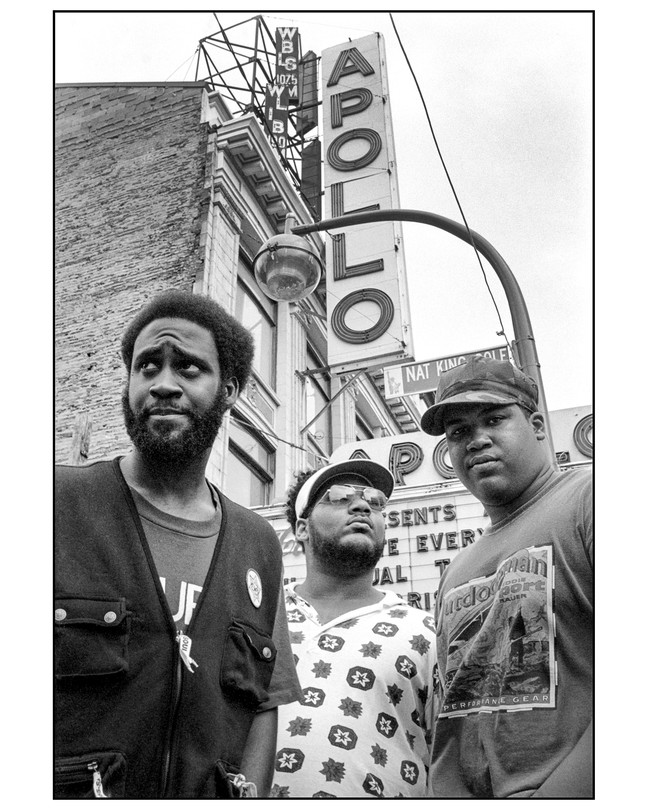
x=367 y=303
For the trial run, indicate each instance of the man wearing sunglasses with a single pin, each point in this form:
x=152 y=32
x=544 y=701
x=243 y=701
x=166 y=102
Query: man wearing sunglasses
x=364 y=656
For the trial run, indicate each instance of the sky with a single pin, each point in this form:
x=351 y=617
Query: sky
x=510 y=99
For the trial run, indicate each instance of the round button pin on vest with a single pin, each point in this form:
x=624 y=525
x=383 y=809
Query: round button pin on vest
x=60 y=614
x=255 y=590
x=110 y=617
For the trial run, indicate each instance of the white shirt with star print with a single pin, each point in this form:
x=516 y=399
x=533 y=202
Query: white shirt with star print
x=362 y=726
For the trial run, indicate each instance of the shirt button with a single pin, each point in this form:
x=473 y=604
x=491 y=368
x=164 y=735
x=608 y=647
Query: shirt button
x=60 y=614
x=267 y=652
x=110 y=617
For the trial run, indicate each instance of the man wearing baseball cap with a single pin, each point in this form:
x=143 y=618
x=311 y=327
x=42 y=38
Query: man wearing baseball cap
x=364 y=657
x=513 y=611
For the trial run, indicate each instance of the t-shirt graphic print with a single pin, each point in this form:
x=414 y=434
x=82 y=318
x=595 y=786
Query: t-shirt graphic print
x=500 y=636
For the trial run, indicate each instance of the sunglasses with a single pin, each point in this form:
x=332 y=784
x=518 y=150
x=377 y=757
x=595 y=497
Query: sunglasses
x=341 y=493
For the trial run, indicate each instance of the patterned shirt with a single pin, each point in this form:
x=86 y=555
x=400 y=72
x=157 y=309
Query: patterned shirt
x=362 y=726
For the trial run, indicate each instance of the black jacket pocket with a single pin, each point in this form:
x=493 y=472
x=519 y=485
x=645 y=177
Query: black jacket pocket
x=248 y=661
x=91 y=636
x=96 y=775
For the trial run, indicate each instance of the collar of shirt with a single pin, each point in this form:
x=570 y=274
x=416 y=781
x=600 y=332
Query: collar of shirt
x=293 y=599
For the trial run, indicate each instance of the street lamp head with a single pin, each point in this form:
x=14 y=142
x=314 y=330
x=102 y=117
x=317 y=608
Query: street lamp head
x=287 y=268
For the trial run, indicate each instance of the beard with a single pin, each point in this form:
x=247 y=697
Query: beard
x=344 y=561
x=166 y=444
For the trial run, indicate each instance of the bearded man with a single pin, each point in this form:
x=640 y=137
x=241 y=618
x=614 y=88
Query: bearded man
x=365 y=658
x=172 y=649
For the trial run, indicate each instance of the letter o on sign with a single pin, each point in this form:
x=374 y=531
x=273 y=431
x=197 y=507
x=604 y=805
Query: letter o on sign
x=338 y=322
x=333 y=152
x=441 y=465
x=583 y=435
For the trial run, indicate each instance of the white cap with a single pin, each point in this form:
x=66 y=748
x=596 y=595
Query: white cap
x=374 y=474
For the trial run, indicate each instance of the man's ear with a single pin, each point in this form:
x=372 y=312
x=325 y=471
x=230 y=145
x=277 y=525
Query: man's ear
x=538 y=424
x=232 y=390
x=301 y=530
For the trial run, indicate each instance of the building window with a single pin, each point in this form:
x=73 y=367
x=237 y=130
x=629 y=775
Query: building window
x=250 y=465
x=318 y=394
x=258 y=314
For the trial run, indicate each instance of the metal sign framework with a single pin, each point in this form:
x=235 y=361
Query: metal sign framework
x=240 y=72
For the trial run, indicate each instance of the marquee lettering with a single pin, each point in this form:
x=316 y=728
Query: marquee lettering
x=421 y=515
x=426 y=603
x=386 y=576
x=404 y=458
x=442 y=565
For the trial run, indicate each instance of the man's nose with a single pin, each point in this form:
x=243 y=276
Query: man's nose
x=358 y=504
x=165 y=385
x=479 y=438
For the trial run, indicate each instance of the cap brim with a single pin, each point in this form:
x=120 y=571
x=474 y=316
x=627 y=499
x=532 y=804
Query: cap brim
x=375 y=474
x=432 y=421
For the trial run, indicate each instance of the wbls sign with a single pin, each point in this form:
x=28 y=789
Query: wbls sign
x=285 y=90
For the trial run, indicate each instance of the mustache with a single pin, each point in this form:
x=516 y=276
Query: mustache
x=152 y=410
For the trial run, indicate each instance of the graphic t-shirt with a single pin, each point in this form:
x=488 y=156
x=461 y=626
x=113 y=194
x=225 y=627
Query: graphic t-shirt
x=182 y=551
x=362 y=725
x=514 y=623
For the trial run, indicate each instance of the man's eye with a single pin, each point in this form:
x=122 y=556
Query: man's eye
x=188 y=367
x=147 y=366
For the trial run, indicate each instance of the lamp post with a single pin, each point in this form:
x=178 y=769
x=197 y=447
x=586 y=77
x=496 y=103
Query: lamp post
x=276 y=255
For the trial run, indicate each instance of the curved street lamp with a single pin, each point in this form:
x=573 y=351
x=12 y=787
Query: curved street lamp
x=288 y=270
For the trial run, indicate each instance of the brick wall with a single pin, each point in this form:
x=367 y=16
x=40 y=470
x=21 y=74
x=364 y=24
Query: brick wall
x=130 y=203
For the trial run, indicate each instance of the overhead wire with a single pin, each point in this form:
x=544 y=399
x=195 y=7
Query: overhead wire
x=319 y=23
x=501 y=333
x=189 y=60
x=275 y=437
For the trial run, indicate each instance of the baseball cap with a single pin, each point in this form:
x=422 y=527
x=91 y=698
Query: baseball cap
x=481 y=379
x=373 y=473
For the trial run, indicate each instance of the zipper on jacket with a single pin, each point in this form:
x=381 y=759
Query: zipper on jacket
x=80 y=769
x=97 y=784
x=184 y=657
x=184 y=644
x=176 y=700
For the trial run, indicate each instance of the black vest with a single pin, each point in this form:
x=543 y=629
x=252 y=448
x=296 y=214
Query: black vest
x=126 y=706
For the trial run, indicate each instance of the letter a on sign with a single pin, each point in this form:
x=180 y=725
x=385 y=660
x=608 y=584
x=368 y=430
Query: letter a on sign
x=349 y=61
